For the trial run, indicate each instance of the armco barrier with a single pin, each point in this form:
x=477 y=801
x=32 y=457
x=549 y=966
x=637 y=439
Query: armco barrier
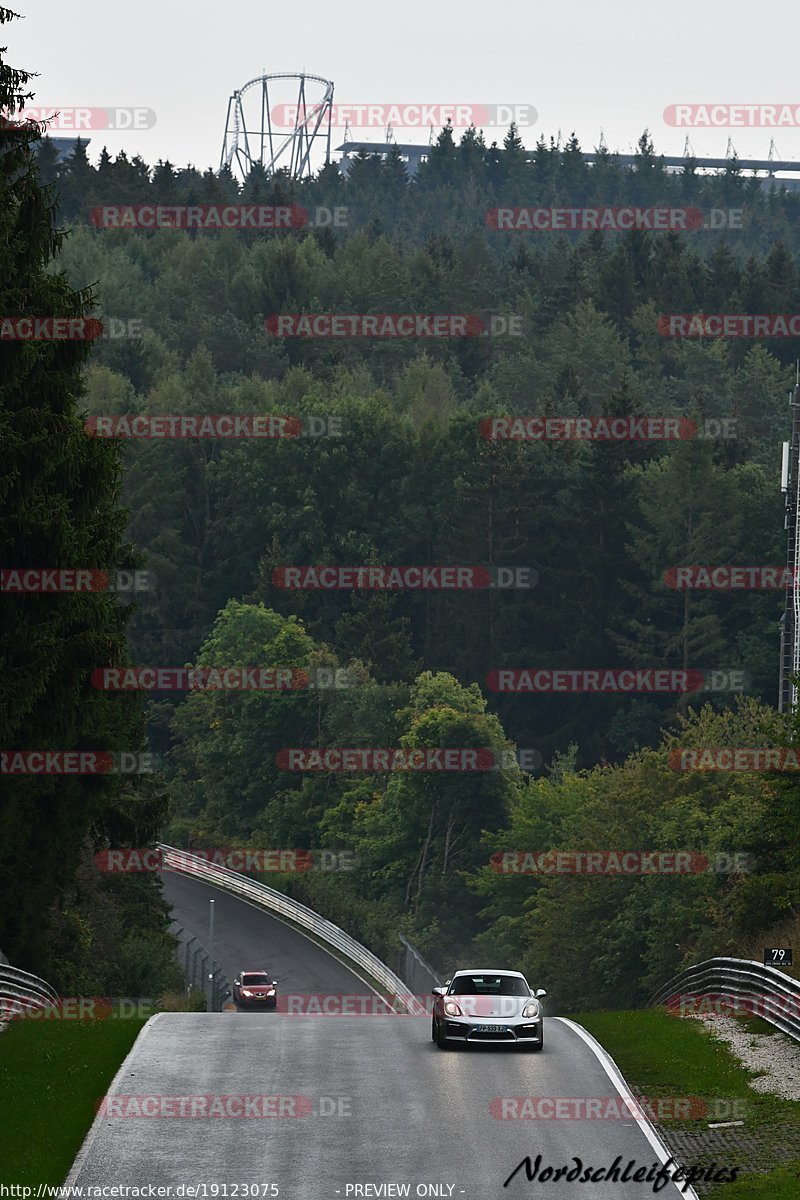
x=276 y=902
x=765 y=991
x=21 y=988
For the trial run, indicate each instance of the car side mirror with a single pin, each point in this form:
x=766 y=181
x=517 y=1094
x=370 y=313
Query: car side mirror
x=275 y=983
x=540 y=992
x=438 y=991
x=237 y=981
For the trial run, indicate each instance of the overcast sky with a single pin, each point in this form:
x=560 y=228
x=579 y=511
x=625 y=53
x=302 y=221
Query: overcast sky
x=583 y=65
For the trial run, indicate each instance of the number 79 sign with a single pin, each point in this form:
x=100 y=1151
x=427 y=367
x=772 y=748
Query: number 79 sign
x=778 y=958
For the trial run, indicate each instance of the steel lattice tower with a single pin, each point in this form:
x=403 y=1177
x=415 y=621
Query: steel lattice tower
x=790 y=621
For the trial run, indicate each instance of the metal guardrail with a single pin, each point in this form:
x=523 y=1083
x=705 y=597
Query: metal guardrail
x=193 y=958
x=276 y=902
x=763 y=991
x=20 y=989
x=419 y=973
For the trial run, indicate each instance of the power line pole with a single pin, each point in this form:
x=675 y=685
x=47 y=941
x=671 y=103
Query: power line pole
x=210 y=980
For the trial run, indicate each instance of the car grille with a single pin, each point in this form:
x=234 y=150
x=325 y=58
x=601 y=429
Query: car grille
x=499 y=1035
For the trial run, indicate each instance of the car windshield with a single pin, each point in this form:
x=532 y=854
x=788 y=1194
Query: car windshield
x=489 y=985
x=256 y=980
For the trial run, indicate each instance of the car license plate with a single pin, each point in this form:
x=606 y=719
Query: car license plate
x=491 y=1029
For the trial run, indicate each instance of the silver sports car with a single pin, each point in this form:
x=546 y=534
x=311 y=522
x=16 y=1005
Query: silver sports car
x=487 y=1006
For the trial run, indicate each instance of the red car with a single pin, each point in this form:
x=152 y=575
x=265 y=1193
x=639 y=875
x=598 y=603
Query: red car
x=255 y=989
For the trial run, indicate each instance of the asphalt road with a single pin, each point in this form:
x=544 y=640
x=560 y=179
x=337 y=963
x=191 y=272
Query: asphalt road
x=247 y=938
x=357 y=1101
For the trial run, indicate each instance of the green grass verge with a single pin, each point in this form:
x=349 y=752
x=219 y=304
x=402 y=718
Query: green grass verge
x=661 y=1055
x=667 y=1056
x=783 y=1184
x=52 y=1076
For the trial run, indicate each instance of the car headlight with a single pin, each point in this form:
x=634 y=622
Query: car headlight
x=532 y=1009
x=245 y=992
x=270 y=991
x=452 y=1009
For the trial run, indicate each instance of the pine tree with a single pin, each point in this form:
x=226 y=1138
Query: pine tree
x=512 y=142
x=59 y=510
x=47 y=160
x=394 y=175
x=690 y=513
x=575 y=176
x=77 y=183
x=649 y=174
x=441 y=165
x=164 y=184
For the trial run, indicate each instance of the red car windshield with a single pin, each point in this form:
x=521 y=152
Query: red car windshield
x=256 y=981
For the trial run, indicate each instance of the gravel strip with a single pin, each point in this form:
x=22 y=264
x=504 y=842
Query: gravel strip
x=753 y=1148
x=775 y=1056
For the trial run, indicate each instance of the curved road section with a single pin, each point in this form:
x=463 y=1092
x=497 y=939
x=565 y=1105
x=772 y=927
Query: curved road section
x=352 y=1107
x=248 y=938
